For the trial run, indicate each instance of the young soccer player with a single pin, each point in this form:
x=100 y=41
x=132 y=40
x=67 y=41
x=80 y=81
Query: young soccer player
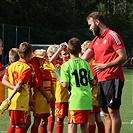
x=19 y=74
x=13 y=57
x=51 y=119
x=94 y=117
x=41 y=94
x=45 y=68
x=61 y=94
x=76 y=73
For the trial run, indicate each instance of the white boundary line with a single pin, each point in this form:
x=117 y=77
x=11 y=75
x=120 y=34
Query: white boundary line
x=123 y=123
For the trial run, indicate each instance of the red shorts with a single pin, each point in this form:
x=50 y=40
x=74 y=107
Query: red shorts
x=96 y=109
x=42 y=115
x=18 y=117
x=61 y=109
x=78 y=116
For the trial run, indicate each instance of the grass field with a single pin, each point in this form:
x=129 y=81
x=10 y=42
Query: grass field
x=126 y=107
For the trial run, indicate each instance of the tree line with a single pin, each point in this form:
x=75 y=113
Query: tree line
x=62 y=16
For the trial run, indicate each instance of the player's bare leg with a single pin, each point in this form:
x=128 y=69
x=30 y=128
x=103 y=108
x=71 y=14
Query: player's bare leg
x=72 y=128
x=84 y=128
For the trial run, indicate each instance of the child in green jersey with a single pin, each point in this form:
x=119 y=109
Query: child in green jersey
x=76 y=73
x=94 y=117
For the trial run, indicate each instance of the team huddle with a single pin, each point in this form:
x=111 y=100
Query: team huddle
x=71 y=79
x=34 y=86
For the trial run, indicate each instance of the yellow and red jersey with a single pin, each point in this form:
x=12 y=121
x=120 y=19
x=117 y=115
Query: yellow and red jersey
x=19 y=71
x=92 y=63
x=37 y=76
x=42 y=77
x=46 y=67
x=61 y=94
x=94 y=88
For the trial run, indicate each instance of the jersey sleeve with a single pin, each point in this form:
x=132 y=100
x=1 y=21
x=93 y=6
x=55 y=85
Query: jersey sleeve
x=6 y=71
x=26 y=75
x=116 y=40
x=64 y=76
x=37 y=78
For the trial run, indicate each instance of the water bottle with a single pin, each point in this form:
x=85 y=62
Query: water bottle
x=4 y=105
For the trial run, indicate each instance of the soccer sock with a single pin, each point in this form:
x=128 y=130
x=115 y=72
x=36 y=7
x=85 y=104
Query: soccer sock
x=11 y=129
x=20 y=130
x=59 y=126
x=51 y=120
x=43 y=128
x=34 y=129
x=101 y=128
x=92 y=128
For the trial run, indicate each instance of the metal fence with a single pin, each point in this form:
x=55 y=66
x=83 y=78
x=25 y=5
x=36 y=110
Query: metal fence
x=12 y=35
x=40 y=46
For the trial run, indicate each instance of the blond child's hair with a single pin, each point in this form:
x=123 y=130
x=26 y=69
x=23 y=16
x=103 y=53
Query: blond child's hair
x=86 y=44
x=13 y=55
x=52 y=48
x=41 y=52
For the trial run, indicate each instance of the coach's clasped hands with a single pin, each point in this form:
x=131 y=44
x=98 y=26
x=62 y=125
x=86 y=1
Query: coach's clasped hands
x=99 y=67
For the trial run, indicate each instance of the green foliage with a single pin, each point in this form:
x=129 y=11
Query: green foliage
x=58 y=17
x=119 y=17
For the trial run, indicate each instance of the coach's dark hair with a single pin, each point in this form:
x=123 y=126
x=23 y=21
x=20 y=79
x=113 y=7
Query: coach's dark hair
x=96 y=15
x=74 y=46
x=25 y=49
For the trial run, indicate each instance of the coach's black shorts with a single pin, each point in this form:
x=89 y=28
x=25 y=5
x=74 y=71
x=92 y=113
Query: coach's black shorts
x=109 y=93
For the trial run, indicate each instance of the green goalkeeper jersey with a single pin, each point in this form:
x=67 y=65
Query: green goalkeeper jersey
x=77 y=72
